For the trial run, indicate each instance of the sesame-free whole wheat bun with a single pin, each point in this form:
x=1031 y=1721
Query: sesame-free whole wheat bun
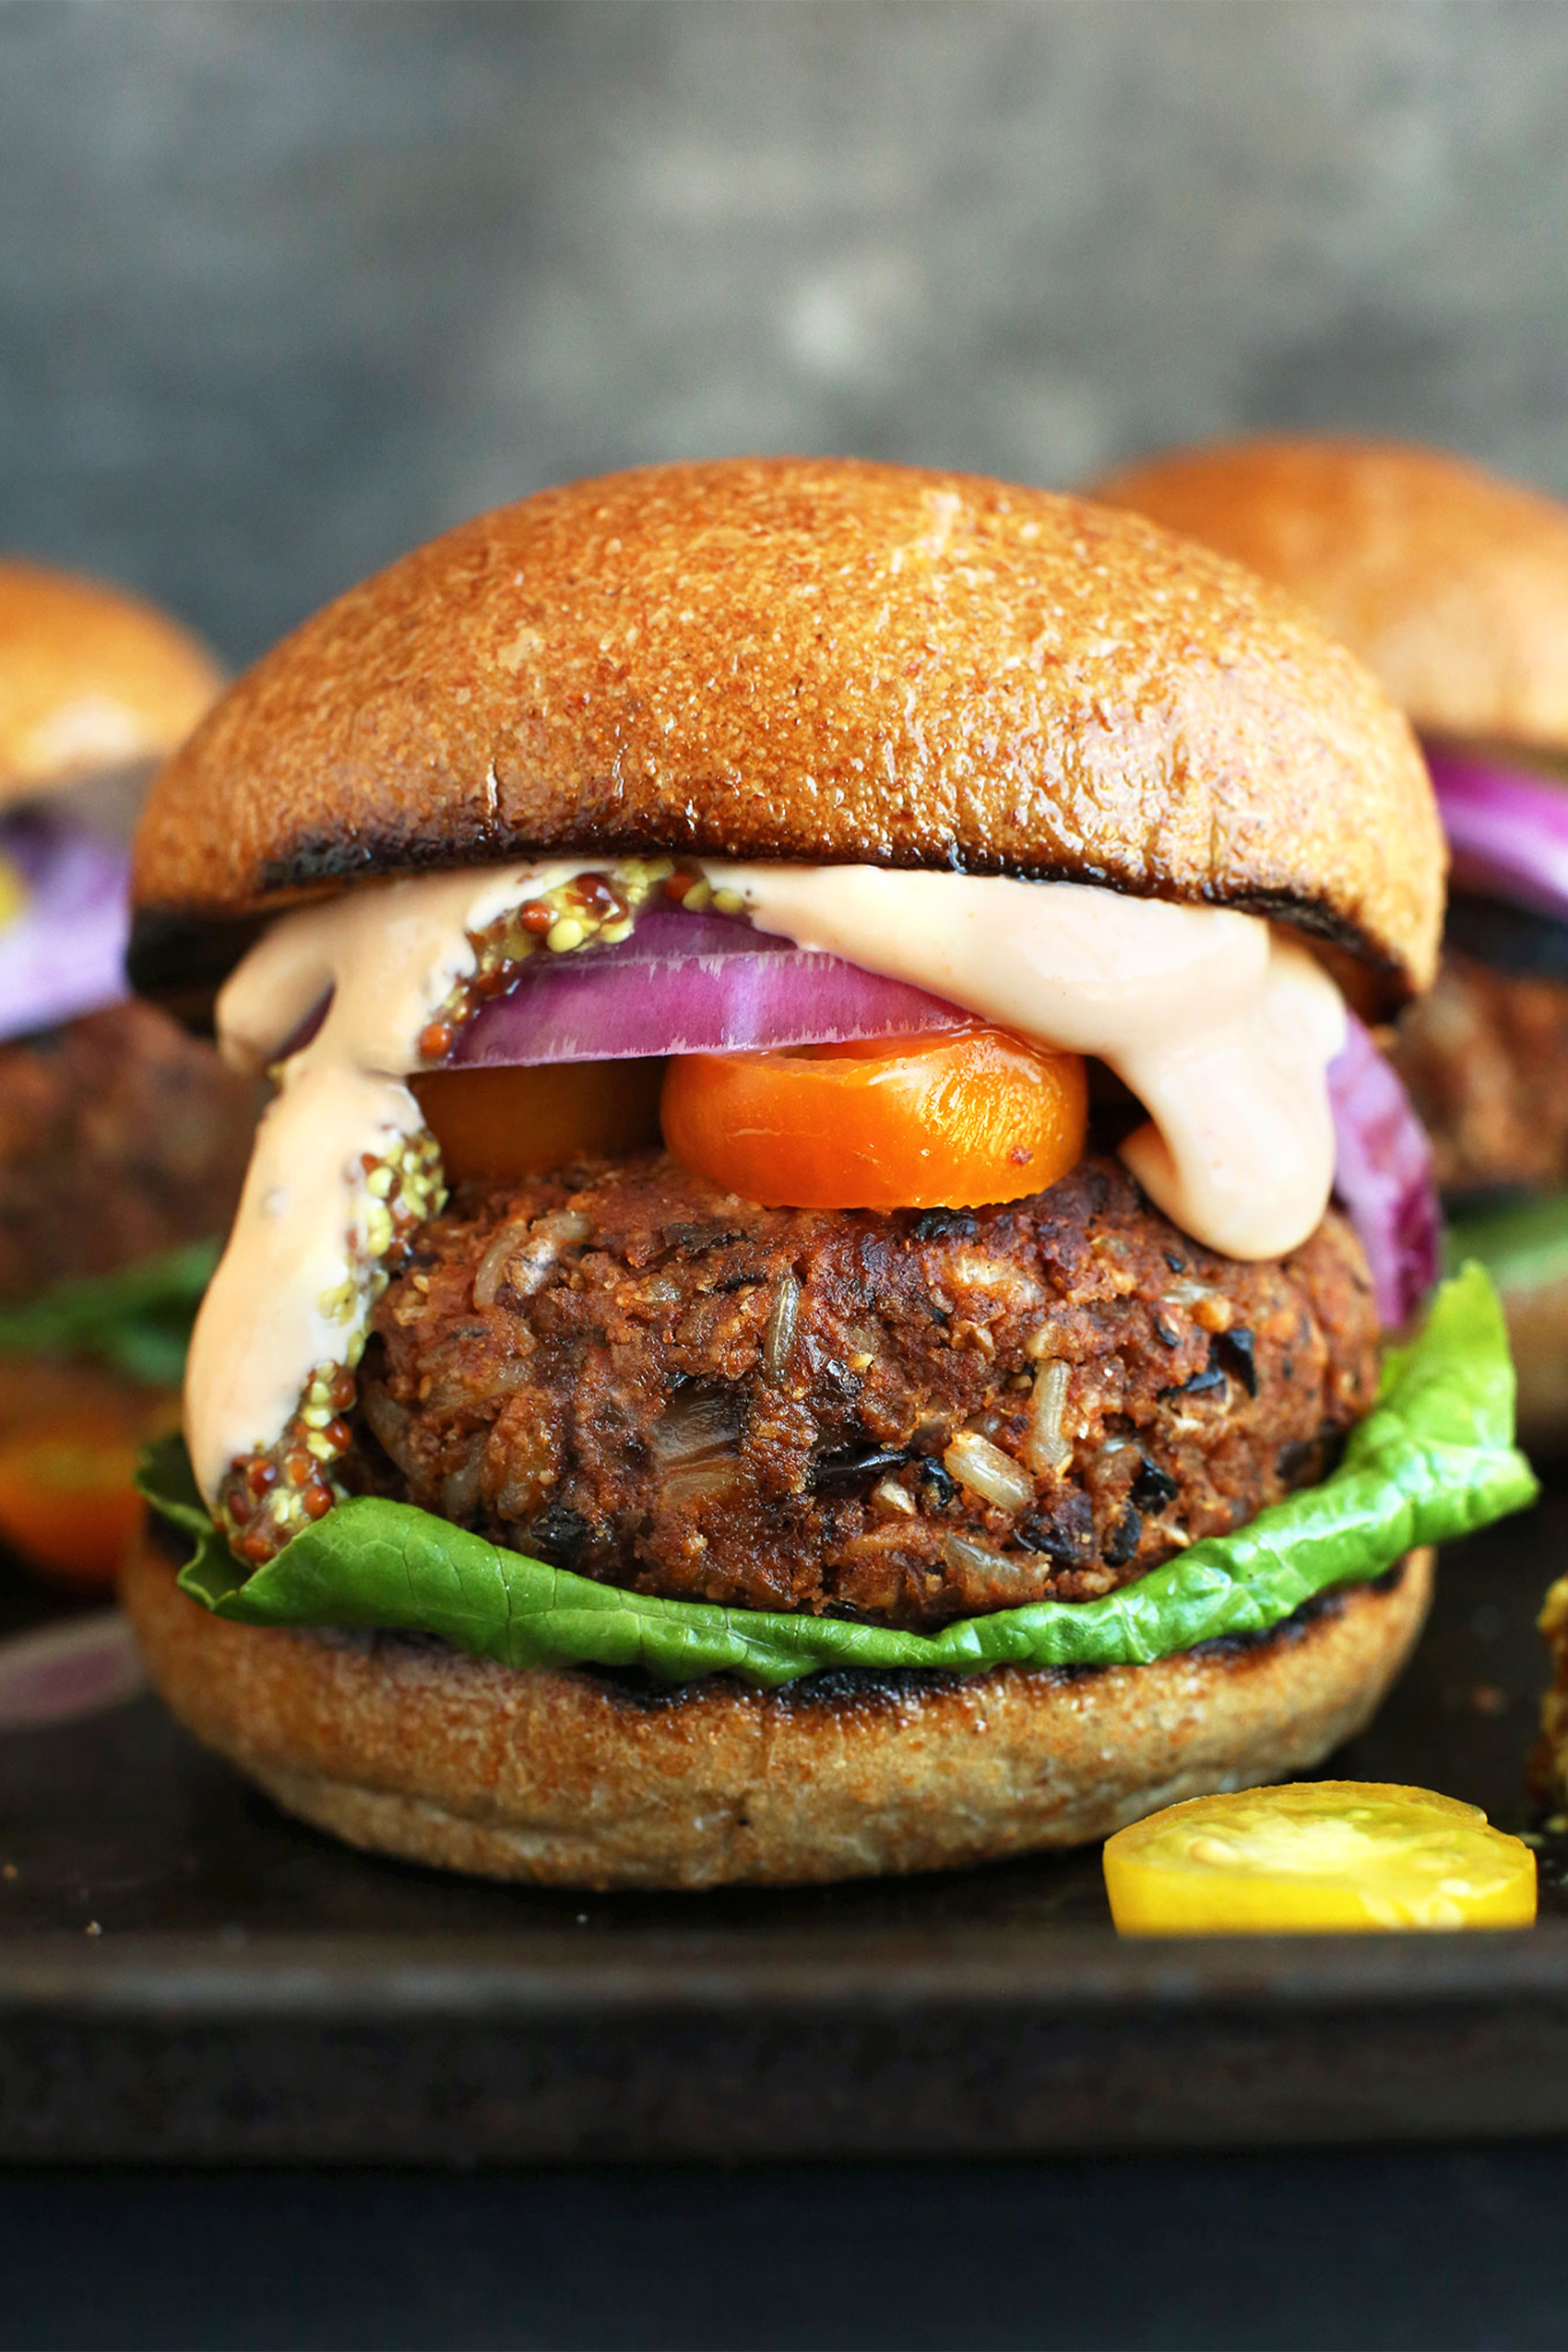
x=575 y=1779
x=808 y=658
x=1450 y=583
x=90 y=679
x=833 y=664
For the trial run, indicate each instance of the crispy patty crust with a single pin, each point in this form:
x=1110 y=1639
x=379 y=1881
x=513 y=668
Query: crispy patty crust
x=903 y=1417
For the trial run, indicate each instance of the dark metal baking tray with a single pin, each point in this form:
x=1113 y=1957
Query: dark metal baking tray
x=187 y=1976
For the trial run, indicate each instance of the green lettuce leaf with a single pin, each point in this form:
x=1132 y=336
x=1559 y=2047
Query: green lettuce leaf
x=138 y=1320
x=1433 y=1459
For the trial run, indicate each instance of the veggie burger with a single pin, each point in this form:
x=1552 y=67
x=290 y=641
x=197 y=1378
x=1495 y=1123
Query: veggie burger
x=786 y=1319
x=122 y=1141
x=1452 y=586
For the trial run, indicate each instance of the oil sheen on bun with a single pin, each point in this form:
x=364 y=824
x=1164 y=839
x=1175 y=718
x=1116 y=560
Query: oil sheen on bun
x=817 y=659
x=575 y=1779
x=90 y=679
x=1451 y=584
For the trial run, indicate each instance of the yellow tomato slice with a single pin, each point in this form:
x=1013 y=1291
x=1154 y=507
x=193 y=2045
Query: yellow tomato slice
x=13 y=893
x=1318 y=1856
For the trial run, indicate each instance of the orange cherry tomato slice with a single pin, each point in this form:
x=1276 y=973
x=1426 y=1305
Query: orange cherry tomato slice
x=66 y=1500
x=497 y=1124
x=948 y=1120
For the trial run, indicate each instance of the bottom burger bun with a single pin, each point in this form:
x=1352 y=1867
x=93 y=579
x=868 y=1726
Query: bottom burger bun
x=571 y=1779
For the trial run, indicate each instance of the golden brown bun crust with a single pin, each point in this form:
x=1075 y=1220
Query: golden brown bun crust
x=1451 y=584
x=89 y=678
x=563 y=1778
x=818 y=659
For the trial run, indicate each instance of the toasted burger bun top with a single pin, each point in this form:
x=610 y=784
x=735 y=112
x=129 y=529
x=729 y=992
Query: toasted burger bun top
x=1451 y=584
x=816 y=660
x=90 y=679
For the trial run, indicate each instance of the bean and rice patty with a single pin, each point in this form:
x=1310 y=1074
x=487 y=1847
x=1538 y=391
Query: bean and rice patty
x=901 y=1417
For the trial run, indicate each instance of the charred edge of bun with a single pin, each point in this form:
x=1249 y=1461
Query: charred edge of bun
x=180 y=961
x=834 y=1688
x=557 y=1776
x=937 y=671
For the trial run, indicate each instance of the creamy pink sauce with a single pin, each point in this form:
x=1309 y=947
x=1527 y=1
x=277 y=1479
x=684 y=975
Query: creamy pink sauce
x=1222 y=1029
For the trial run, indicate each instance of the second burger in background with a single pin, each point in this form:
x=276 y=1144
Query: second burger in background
x=122 y=1141
x=1451 y=585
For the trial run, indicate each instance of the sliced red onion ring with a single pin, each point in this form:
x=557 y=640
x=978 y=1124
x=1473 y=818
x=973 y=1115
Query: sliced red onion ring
x=692 y=984
x=1508 y=830
x=64 y=953
x=1382 y=1175
x=63 y=1670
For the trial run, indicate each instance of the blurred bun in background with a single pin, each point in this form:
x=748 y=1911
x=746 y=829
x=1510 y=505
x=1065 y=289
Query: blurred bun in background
x=1451 y=585
x=91 y=680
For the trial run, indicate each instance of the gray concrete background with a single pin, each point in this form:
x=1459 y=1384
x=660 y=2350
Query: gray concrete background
x=286 y=287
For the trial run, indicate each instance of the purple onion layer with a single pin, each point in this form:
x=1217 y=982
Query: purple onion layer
x=1508 y=830
x=692 y=984
x=1382 y=1175
x=64 y=953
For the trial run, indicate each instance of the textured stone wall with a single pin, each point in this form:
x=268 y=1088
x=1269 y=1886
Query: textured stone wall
x=284 y=288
